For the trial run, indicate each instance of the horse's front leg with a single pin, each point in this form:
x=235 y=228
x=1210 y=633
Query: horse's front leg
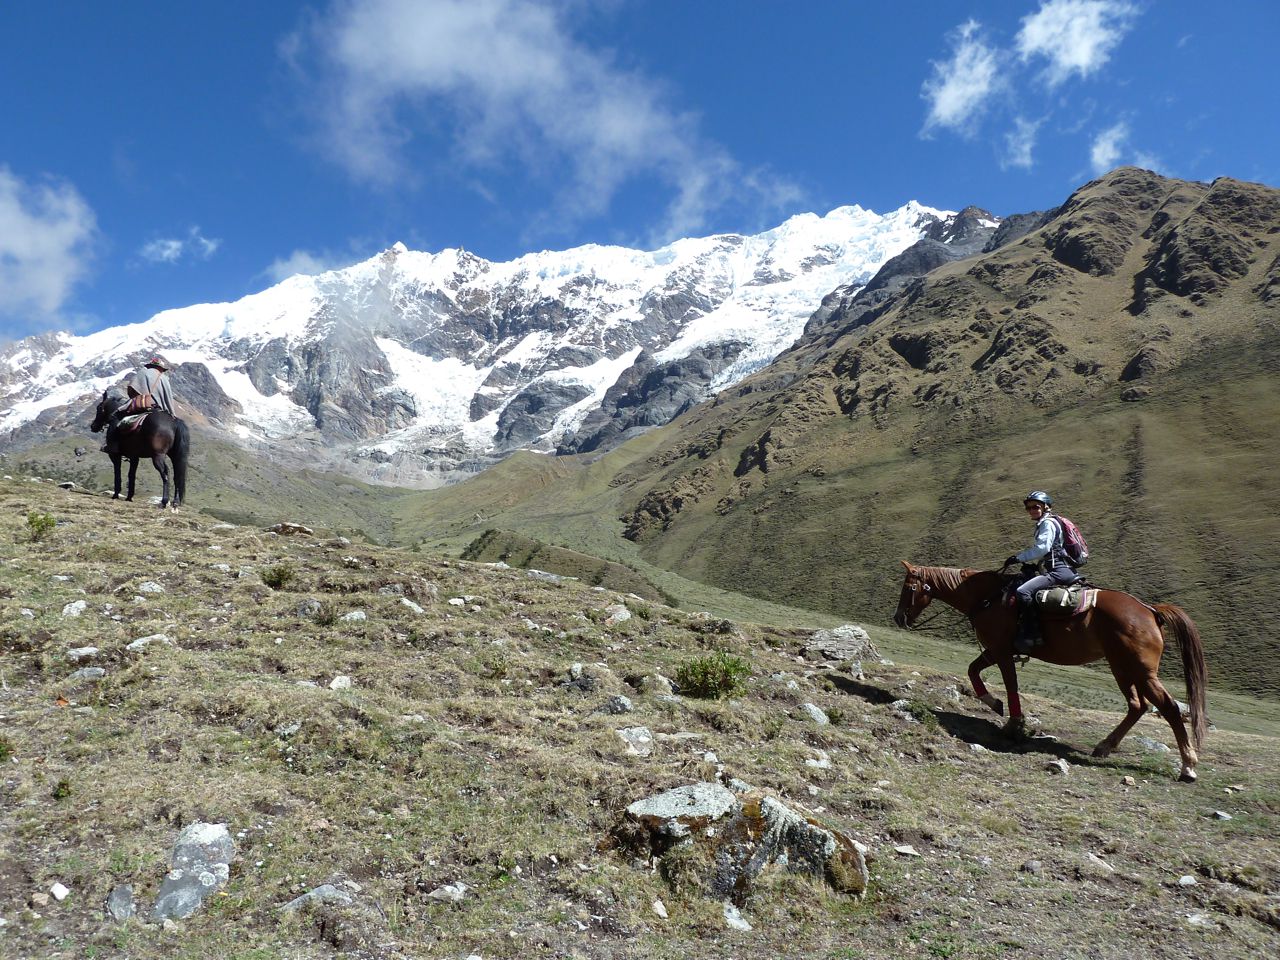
x=163 y=469
x=980 y=663
x=133 y=475
x=1017 y=724
x=115 y=462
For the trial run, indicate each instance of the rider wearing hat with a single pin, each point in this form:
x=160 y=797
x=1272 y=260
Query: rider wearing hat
x=148 y=390
x=150 y=381
x=1047 y=555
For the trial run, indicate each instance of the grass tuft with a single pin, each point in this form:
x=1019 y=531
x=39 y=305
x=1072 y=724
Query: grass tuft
x=717 y=676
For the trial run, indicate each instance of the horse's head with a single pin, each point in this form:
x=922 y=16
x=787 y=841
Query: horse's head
x=111 y=399
x=915 y=596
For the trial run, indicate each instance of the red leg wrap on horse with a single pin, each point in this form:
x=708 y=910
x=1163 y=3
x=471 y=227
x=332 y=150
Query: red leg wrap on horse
x=1015 y=705
x=979 y=688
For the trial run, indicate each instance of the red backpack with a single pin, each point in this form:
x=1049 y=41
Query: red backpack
x=1073 y=544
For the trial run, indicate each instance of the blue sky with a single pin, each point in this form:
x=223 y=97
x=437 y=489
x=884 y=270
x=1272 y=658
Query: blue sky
x=154 y=155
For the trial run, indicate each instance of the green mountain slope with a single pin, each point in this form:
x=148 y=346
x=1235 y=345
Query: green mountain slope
x=1123 y=356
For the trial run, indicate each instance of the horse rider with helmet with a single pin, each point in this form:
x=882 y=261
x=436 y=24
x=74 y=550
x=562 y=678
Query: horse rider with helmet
x=148 y=390
x=1048 y=556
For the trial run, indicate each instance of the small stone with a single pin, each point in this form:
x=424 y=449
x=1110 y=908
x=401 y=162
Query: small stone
x=309 y=607
x=356 y=615
x=816 y=714
x=977 y=748
x=341 y=683
x=1098 y=862
x=150 y=587
x=457 y=602
x=1187 y=880
x=1200 y=920
x=137 y=646
x=660 y=909
x=74 y=609
x=1058 y=766
x=82 y=653
x=639 y=740
x=618 y=613
x=907 y=850
x=618 y=704
x=325 y=893
x=39 y=900
x=734 y=919
x=1221 y=815
x=411 y=605
x=1129 y=781
x=450 y=892
x=88 y=673
x=821 y=762
x=59 y=892
x=1033 y=867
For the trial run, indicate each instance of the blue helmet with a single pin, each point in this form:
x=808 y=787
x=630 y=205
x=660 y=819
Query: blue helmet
x=1039 y=496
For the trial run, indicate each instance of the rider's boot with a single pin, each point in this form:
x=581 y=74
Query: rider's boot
x=109 y=436
x=1027 y=635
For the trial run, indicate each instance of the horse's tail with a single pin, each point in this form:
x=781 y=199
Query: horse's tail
x=1193 y=668
x=178 y=453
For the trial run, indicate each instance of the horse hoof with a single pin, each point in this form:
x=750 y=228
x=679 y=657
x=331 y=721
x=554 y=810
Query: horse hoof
x=1016 y=728
x=1102 y=750
x=1187 y=775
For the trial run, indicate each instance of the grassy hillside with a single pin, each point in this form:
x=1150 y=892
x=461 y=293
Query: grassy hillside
x=468 y=748
x=1124 y=356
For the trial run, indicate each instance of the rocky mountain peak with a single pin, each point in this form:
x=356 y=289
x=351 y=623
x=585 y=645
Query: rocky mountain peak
x=410 y=354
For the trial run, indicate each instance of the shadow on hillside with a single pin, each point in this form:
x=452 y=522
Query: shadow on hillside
x=985 y=731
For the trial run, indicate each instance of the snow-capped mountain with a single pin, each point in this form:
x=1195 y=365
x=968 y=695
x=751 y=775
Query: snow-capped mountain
x=416 y=367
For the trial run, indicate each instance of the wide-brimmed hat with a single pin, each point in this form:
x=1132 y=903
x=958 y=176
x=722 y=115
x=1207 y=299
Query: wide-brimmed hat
x=157 y=361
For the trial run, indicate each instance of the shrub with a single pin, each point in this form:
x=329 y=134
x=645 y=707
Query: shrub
x=40 y=524
x=326 y=614
x=714 y=676
x=279 y=576
x=6 y=749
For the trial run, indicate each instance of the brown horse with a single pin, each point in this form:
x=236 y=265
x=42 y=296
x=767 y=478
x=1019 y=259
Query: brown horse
x=1121 y=628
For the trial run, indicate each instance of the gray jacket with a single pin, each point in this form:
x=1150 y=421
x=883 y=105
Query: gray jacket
x=1047 y=549
x=150 y=380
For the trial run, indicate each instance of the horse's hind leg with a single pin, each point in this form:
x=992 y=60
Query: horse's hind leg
x=1155 y=693
x=163 y=468
x=1134 y=714
x=133 y=475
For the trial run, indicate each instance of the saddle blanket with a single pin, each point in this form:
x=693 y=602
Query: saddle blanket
x=1068 y=601
x=132 y=422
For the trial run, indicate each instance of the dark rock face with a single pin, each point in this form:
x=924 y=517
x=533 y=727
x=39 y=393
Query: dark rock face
x=649 y=394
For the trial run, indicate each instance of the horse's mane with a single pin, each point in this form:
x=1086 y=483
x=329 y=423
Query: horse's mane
x=949 y=577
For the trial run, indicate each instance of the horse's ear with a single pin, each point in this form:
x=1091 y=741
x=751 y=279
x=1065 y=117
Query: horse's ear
x=909 y=567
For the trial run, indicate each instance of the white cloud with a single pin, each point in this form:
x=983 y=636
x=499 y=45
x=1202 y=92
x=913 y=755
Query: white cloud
x=1107 y=146
x=959 y=88
x=510 y=87
x=303 y=261
x=1075 y=36
x=46 y=236
x=1019 y=143
x=194 y=246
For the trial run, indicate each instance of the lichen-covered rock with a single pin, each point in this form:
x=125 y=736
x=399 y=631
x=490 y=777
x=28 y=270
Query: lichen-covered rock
x=738 y=836
x=201 y=866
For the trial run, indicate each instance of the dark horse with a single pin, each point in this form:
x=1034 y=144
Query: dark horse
x=1119 y=627
x=159 y=435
